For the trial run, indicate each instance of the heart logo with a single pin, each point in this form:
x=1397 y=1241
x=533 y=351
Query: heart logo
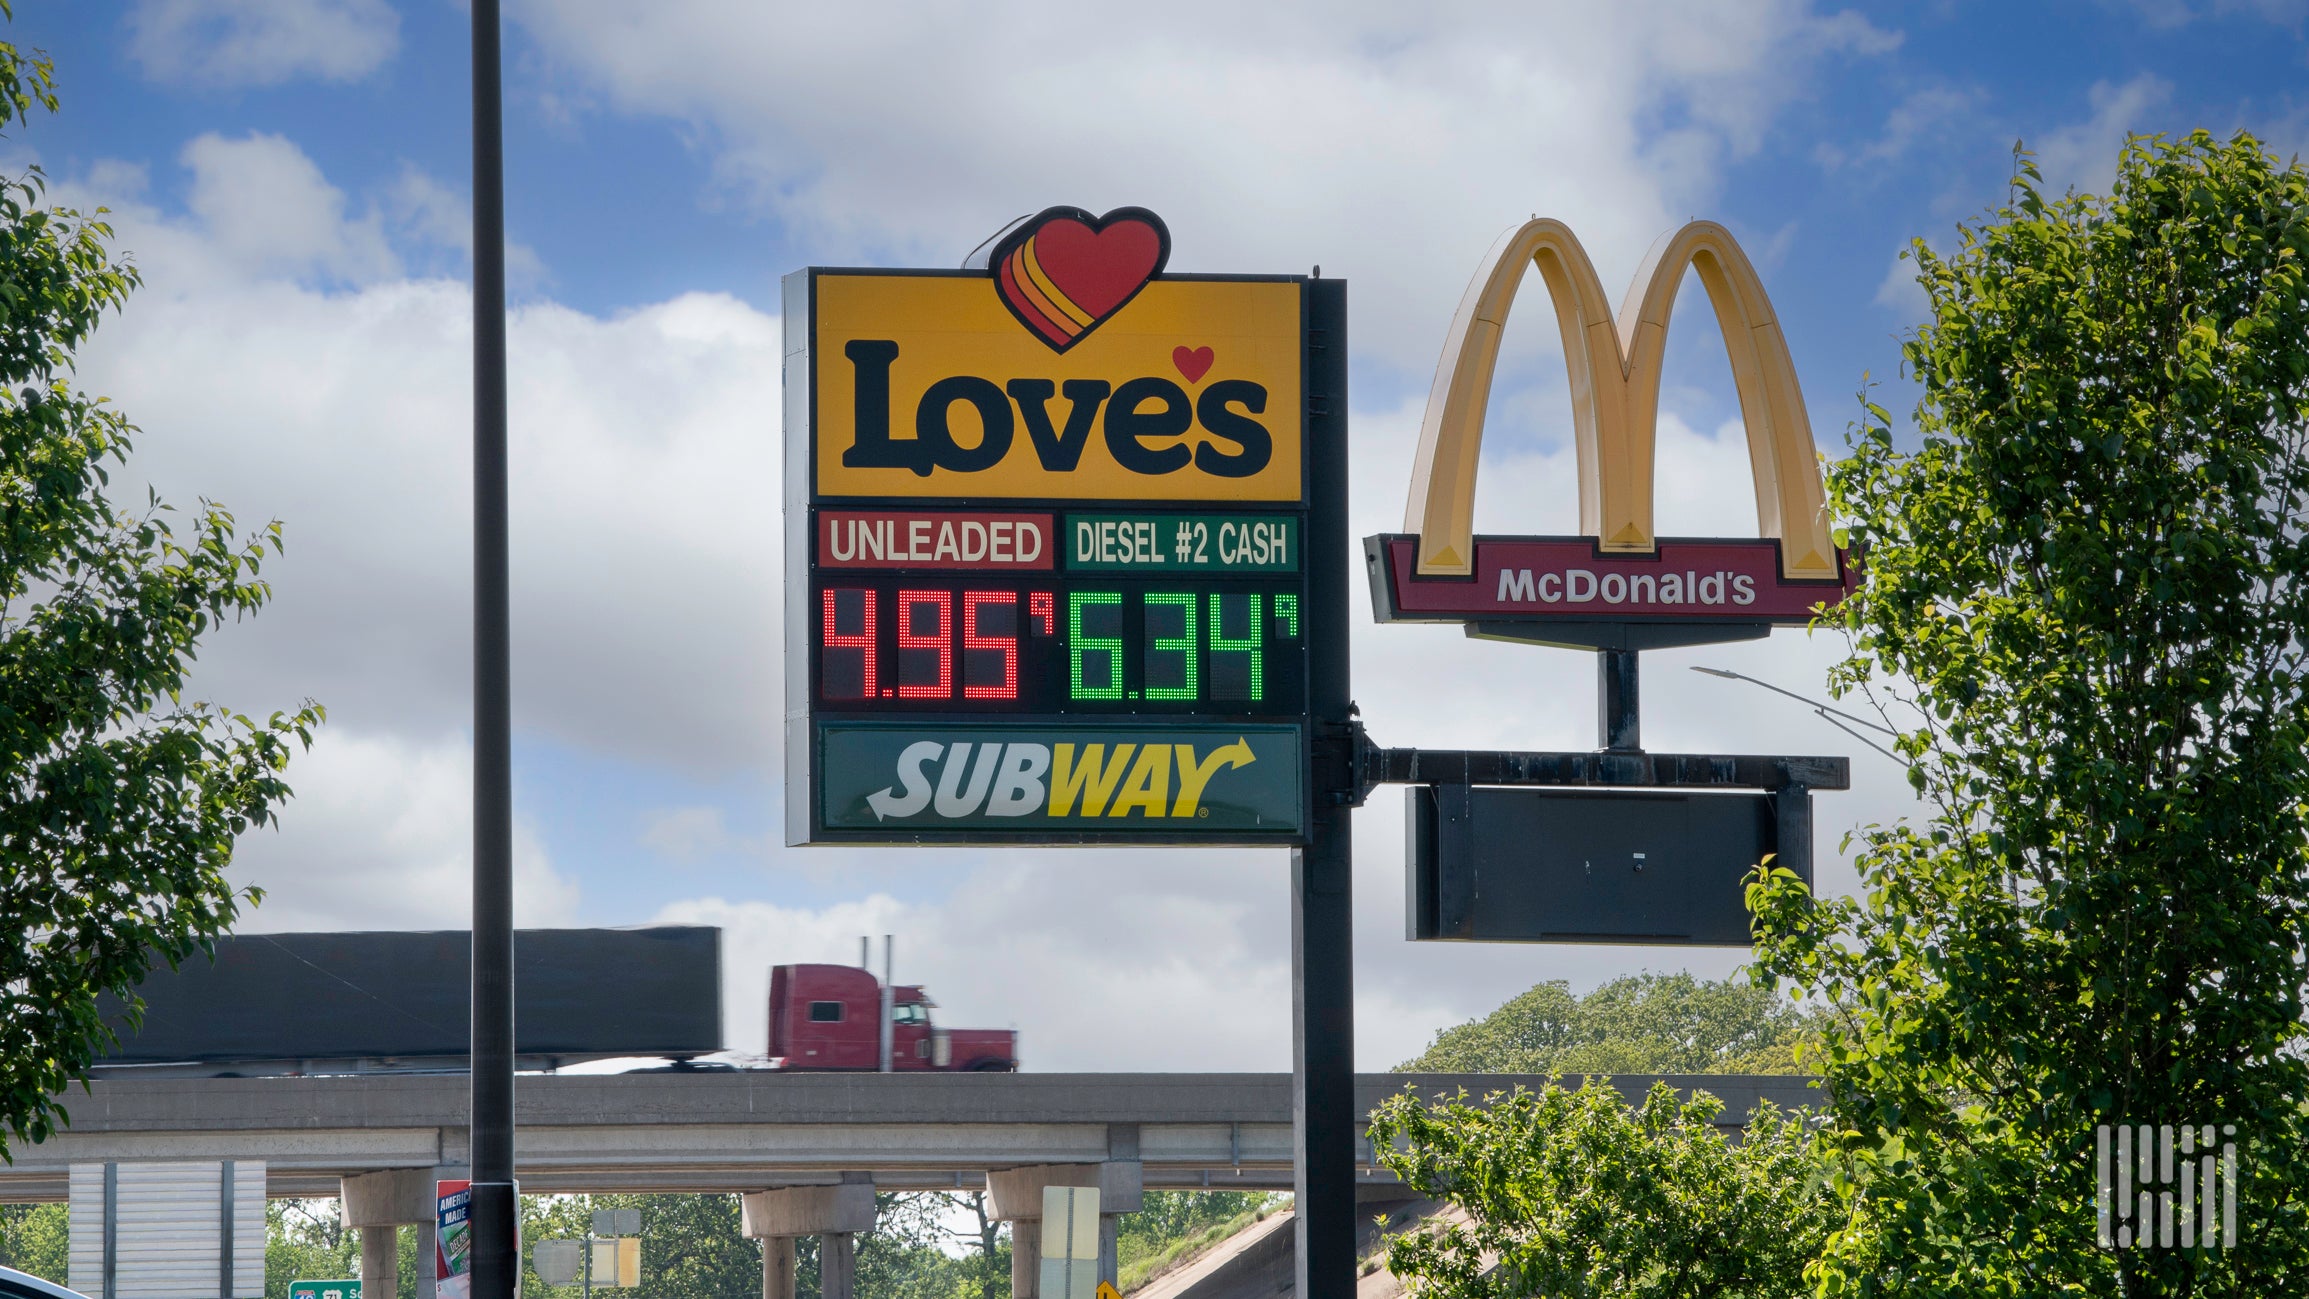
x=1064 y=272
x=1193 y=362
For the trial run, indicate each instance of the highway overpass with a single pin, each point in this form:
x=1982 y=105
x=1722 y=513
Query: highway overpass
x=808 y=1149
x=740 y=1131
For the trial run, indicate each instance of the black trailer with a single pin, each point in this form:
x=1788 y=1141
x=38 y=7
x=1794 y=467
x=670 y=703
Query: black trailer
x=330 y=1002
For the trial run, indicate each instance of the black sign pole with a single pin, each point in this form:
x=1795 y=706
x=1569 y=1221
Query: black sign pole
x=1322 y=897
x=495 y=1260
x=1619 y=726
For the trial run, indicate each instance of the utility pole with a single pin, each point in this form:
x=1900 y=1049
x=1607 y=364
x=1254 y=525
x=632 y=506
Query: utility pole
x=496 y=1254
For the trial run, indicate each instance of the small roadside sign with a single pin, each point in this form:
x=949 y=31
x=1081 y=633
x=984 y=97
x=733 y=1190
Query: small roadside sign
x=453 y=1239
x=346 y=1289
x=1070 y=1239
x=558 y=1262
x=594 y=1263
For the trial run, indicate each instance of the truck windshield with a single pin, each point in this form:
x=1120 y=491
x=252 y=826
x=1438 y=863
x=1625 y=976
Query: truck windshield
x=910 y=1013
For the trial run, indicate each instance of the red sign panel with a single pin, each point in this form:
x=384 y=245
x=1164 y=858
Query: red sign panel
x=1538 y=578
x=935 y=539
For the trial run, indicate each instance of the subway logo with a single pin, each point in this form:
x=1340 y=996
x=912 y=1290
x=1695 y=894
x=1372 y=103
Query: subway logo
x=1172 y=780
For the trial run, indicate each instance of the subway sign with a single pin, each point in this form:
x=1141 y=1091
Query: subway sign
x=1045 y=524
x=1233 y=780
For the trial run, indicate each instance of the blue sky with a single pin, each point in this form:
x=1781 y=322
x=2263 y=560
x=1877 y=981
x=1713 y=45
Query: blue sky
x=292 y=176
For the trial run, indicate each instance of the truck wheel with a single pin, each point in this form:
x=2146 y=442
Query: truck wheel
x=994 y=1066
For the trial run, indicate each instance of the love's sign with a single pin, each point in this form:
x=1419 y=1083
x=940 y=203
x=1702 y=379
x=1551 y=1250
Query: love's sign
x=1050 y=526
x=1074 y=371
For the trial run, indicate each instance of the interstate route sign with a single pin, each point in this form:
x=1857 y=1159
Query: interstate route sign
x=1048 y=539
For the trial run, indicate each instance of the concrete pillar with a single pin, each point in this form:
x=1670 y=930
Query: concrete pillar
x=1014 y=1195
x=1122 y=1149
x=837 y=1265
x=380 y=1261
x=428 y=1252
x=1025 y=1258
x=375 y=1203
x=808 y=1210
x=834 y=1214
x=777 y=1267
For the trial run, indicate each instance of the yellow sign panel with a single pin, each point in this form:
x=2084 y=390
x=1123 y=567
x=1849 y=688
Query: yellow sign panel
x=929 y=386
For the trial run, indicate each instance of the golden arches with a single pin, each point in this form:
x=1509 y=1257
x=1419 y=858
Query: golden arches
x=1615 y=396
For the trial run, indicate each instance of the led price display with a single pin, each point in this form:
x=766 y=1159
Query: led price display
x=1102 y=646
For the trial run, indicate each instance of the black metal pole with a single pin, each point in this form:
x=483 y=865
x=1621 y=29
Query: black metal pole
x=496 y=1246
x=1322 y=897
x=1618 y=719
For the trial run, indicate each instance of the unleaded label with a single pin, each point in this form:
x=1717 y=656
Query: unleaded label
x=934 y=539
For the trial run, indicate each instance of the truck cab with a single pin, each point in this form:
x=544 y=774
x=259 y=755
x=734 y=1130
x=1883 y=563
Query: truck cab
x=830 y=1017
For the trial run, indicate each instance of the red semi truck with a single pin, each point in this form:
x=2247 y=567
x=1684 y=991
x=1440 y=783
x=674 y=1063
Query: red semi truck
x=830 y=1017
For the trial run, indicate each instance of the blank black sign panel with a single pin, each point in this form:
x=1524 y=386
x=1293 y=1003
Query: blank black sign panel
x=1620 y=866
x=578 y=993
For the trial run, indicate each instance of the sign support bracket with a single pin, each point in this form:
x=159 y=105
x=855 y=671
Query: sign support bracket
x=1378 y=765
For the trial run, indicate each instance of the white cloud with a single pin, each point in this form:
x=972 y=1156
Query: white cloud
x=429 y=212
x=236 y=43
x=2083 y=155
x=645 y=476
x=1389 y=144
x=380 y=836
x=1922 y=117
x=268 y=211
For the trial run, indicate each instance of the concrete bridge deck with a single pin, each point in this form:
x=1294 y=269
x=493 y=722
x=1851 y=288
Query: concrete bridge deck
x=745 y=1131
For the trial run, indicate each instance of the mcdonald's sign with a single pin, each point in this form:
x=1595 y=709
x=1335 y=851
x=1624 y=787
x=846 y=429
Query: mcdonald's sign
x=1618 y=585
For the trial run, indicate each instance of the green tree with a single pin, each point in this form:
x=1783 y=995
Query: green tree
x=1580 y=1196
x=918 y=1251
x=2087 y=590
x=1173 y=1224
x=1645 y=1023
x=924 y=1244
x=36 y=1238
x=119 y=800
x=692 y=1246
x=306 y=1240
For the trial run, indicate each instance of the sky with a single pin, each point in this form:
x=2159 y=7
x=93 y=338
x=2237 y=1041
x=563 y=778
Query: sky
x=292 y=178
